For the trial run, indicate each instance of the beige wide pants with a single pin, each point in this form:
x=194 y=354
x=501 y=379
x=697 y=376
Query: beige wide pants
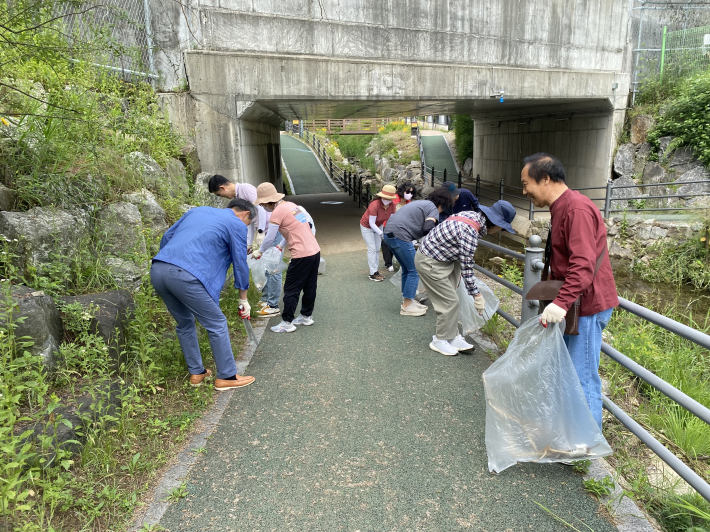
x=441 y=280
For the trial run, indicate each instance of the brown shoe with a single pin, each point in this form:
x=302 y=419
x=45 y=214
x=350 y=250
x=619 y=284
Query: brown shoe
x=196 y=380
x=228 y=384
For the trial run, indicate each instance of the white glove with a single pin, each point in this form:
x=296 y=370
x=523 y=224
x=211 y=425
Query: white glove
x=244 y=309
x=552 y=314
x=258 y=239
x=256 y=253
x=479 y=303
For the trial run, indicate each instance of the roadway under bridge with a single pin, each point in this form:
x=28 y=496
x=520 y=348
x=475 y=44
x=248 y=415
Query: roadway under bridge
x=535 y=76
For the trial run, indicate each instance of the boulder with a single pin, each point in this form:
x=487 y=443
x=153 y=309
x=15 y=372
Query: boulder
x=177 y=179
x=153 y=175
x=127 y=274
x=616 y=192
x=7 y=198
x=681 y=161
x=152 y=214
x=642 y=153
x=120 y=230
x=202 y=195
x=698 y=173
x=42 y=323
x=617 y=251
x=111 y=314
x=44 y=235
x=191 y=159
x=624 y=160
x=468 y=167
x=663 y=144
x=654 y=173
x=640 y=126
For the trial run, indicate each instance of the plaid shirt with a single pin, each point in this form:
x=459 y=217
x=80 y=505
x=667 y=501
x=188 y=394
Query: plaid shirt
x=452 y=240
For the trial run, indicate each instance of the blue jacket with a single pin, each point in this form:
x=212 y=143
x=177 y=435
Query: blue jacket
x=205 y=241
x=466 y=202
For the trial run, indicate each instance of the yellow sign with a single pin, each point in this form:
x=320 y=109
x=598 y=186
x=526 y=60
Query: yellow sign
x=295 y=122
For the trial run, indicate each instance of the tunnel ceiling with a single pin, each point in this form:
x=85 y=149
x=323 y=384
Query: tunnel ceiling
x=491 y=108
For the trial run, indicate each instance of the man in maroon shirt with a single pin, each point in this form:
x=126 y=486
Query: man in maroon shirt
x=578 y=240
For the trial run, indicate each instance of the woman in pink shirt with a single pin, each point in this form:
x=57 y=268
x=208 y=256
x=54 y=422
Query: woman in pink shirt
x=302 y=275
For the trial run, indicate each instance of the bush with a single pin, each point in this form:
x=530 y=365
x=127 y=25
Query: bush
x=463 y=127
x=352 y=145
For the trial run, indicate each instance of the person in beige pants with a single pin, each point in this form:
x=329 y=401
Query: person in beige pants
x=445 y=257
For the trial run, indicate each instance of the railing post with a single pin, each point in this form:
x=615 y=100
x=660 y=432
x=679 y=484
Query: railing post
x=330 y=159
x=460 y=181
x=444 y=174
x=607 y=200
x=531 y=216
x=478 y=185
x=367 y=193
x=432 y=176
x=359 y=191
x=531 y=275
x=502 y=184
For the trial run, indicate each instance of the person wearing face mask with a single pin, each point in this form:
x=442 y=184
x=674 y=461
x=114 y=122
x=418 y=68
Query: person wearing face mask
x=406 y=192
x=378 y=212
x=292 y=222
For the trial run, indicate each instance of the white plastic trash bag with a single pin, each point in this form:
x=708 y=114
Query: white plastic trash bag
x=471 y=321
x=258 y=272
x=273 y=260
x=321 y=266
x=535 y=407
x=396 y=280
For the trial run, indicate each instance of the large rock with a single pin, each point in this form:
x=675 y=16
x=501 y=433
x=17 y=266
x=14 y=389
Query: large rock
x=654 y=173
x=110 y=316
x=617 y=192
x=120 y=230
x=153 y=175
x=127 y=274
x=43 y=235
x=152 y=214
x=7 y=198
x=641 y=158
x=681 y=161
x=191 y=158
x=624 y=160
x=640 y=126
x=202 y=195
x=42 y=323
x=698 y=173
x=177 y=179
x=663 y=144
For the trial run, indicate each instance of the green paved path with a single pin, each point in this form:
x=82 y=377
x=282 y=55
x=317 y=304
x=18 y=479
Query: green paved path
x=438 y=155
x=353 y=424
x=306 y=174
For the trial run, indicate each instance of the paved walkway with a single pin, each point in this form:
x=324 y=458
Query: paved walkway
x=307 y=175
x=353 y=424
x=438 y=155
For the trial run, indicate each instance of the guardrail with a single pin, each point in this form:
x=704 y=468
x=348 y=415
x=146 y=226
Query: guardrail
x=345 y=126
x=500 y=190
x=532 y=273
x=349 y=181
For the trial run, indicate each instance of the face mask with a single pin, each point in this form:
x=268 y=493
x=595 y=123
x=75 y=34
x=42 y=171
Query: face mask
x=268 y=209
x=386 y=201
x=407 y=197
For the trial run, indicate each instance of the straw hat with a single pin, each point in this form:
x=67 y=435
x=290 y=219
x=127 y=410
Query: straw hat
x=388 y=192
x=266 y=193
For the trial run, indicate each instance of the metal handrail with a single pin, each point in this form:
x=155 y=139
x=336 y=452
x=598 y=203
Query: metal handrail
x=533 y=266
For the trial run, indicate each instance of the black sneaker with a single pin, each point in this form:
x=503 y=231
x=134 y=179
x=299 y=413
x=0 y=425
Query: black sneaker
x=377 y=277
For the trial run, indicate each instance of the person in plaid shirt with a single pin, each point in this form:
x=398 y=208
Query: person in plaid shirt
x=446 y=255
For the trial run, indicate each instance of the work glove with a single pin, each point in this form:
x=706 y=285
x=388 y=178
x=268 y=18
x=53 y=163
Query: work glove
x=244 y=309
x=256 y=253
x=552 y=314
x=479 y=303
x=258 y=239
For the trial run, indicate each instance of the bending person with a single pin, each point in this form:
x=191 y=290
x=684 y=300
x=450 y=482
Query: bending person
x=223 y=187
x=446 y=255
x=378 y=212
x=188 y=274
x=302 y=275
x=412 y=222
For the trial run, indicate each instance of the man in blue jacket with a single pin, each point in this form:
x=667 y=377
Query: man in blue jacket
x=464 y=201
x=188 y=273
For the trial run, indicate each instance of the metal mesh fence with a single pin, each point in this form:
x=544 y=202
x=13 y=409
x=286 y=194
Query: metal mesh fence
x=126 y=24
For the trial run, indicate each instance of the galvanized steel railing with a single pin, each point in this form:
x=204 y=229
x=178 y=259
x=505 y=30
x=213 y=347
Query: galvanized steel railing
x=531 y=275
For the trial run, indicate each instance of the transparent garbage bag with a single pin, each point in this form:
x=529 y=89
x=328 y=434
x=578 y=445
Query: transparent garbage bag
x=535 y=407
x=321 y=266
x=396 y=280
x=273 y=260
x=270 y=261
x=471 y=321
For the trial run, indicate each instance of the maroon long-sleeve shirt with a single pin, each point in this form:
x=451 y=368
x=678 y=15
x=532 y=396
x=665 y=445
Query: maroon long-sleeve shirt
x=578 y=238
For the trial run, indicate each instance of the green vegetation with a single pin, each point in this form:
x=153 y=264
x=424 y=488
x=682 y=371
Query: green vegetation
x=599 y=488
x=463 y=127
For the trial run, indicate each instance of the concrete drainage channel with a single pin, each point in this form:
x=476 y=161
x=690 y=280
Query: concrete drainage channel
x=627 y=516
x=176 y=475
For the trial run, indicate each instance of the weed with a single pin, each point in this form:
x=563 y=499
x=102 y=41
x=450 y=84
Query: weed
x=177 y=493
x=200 y=450
x=560 y=520
x=600 y=488
x=581 y=466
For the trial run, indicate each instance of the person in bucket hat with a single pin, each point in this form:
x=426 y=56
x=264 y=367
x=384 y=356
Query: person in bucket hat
x=371 y=224
x=292 y=222
x=445 y=256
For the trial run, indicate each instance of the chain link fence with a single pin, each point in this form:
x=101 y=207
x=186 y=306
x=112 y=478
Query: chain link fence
x=126 y=24
x=672 y=39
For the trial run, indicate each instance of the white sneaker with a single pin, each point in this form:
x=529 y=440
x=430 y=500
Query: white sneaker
x=303 y=320
x=284 y=326
x=412 y=310
x=417 y=303
x=390 y=268
x=442 y=346
x=460 y=344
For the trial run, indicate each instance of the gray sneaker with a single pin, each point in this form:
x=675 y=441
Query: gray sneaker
x=412 y=310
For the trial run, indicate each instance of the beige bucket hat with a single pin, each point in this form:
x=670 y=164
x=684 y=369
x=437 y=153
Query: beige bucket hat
x=388 y=192
x=266 y=193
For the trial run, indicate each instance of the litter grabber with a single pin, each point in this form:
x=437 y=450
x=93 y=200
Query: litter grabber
x=246 y=320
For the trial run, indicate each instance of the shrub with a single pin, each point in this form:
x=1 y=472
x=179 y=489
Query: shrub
x=463 y=127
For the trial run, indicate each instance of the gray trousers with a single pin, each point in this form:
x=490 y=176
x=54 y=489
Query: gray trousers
x=440 y=280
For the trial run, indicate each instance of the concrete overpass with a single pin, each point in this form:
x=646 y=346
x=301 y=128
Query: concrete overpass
x=559 y=65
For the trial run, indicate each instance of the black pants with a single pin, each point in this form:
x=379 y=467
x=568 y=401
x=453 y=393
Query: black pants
x=386 y=254
x=302 y=274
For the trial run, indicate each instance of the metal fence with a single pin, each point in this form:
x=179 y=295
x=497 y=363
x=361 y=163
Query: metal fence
x=532 y=273
x=672 y=38
x=129 y=27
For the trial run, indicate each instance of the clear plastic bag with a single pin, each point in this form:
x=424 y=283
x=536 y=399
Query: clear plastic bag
x=258 y=272
x=471 y=321
x=396 y=280
x=273 y=260
x=535 y=407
